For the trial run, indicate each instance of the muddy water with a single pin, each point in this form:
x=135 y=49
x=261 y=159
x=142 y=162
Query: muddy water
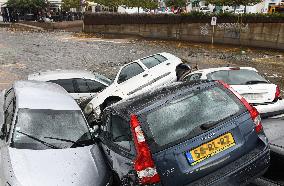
x=25 y=52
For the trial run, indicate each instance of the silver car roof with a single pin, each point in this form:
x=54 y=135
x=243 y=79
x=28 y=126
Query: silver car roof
x=43 y=95
x=68 y=74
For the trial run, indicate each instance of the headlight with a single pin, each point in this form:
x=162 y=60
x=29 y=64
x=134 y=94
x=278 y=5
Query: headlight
x=89 y=108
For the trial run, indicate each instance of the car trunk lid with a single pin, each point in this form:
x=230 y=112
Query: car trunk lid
x=257 y=93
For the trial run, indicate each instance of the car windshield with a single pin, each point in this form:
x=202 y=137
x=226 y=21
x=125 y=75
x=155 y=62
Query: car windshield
x=44 y=129
x=181 y=117
x=237 y=77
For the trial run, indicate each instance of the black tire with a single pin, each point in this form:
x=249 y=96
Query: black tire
x=109 y=103
x=181 y=70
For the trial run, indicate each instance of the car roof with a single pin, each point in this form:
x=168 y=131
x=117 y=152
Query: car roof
x=43 y=95
x=209 y=70
x=68 y=74
x=136 y=104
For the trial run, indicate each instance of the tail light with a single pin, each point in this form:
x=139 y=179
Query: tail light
x=143 y=164
x=277 y=94
x=252 y=110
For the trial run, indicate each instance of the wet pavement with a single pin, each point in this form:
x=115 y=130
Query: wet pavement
x=24 y=52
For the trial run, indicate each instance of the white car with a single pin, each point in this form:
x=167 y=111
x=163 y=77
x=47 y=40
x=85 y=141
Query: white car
x=204 y=9
x=258 y=91
x=80 y=84
x=239 y=11
x=137 y=77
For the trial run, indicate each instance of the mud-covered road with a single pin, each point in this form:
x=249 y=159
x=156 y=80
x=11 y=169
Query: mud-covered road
x=24 y=52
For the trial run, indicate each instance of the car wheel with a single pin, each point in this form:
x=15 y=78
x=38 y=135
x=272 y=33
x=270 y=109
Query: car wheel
x=109 y=103
x=181 y=70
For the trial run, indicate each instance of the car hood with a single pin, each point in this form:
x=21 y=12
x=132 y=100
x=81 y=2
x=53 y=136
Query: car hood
x=257 y=93
x=64 y=167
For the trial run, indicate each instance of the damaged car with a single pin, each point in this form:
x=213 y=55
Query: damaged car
x=45 y=139
x=188 y=133
x=258 y=91
x=80 y=84
x=135 y=78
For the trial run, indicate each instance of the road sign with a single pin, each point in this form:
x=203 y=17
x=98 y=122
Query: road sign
x=214 y=21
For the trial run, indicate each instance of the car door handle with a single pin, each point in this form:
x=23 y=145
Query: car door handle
x=145 y=75
x=168 y=63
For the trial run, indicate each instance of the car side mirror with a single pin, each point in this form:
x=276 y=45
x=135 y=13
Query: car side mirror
x=122 y=78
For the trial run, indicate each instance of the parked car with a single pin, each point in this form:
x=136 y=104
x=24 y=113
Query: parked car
x=80 y=84
x=239 y=11
x=199 y=133
x=137 y=77
x=258 y=91
x=274 y=130
x=45 y=139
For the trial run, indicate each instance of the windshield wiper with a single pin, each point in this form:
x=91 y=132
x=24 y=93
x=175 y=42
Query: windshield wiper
x=66 y=140
x=255 y=82
x=38 y=140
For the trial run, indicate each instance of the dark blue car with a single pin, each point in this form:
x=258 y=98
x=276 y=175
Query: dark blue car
x=191 y=133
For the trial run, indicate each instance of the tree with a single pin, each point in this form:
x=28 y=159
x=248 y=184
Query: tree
x=25 y=6
x=176 y=3
x=67 y=4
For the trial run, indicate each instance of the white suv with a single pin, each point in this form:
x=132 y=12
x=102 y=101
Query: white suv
x=137 y=77
x=80 y=84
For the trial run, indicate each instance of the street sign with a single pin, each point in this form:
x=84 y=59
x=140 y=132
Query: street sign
x=214 y=21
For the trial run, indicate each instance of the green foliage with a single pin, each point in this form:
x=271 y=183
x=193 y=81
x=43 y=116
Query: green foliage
x=233 y=2
x=150 y=4
x=24 y=5
x=67 y=4
x=176 y=3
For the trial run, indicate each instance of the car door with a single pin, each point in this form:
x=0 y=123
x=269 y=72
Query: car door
x=161 y=69
x=119 y=146
x=132 y=79
x=87 y=88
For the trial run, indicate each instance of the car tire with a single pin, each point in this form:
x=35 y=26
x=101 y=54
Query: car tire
x=181 y=70
x=116 y=180
x=109 y=103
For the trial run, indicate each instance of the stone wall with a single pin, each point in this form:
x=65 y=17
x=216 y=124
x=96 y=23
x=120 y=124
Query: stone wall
x=267 y=35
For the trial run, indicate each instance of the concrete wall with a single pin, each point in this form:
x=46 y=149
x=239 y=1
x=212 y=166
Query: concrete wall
x=267 y=35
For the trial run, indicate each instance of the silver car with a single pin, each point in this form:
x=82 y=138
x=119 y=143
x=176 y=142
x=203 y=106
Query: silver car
x=45 y=140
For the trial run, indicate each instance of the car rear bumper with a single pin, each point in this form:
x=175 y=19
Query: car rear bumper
x=241 y=171
x=272 y=109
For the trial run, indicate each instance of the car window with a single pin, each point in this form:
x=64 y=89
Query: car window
x=130 y=71
x=120 y=132
x=95 y=86
x=152 y=61
x=193 y=77
x=180 y=117
x=237 y=77
x=82 y=86
x=67 y=84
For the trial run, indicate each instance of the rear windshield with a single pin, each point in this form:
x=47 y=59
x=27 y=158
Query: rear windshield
x=180 y=117
x=237 y=77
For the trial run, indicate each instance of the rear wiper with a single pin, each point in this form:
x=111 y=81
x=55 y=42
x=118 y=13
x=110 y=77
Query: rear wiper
x=208 y=125
x=254 y=82
x=66 y=140
x=38 y=140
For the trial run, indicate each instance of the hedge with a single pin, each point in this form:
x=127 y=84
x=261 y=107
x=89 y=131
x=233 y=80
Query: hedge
x=194 y=17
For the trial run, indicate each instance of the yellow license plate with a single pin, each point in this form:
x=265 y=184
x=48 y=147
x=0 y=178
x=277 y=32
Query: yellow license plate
x=211 y=148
